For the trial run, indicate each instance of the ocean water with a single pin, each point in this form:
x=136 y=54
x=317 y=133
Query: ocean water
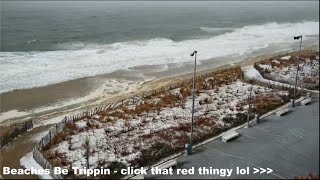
x=49 y=42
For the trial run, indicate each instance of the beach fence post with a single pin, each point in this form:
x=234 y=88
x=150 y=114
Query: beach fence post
x=31 y=123
x=26 y=126
x=50 y=136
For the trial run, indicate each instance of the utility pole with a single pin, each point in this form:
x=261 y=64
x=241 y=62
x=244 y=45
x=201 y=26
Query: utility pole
x=296 y=80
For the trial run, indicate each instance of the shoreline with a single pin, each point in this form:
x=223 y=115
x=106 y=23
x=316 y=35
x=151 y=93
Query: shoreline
x=24 y=144
x=41 y=96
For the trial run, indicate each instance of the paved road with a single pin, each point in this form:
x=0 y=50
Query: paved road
x=289 y=145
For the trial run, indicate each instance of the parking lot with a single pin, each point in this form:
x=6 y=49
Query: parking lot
x=289 y=145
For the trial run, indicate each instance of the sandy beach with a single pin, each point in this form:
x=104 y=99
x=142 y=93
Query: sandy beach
x=42 y=102
x=45 y=118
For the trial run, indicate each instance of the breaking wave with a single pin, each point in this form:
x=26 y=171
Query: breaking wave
x=214 y=30
x=31 y=69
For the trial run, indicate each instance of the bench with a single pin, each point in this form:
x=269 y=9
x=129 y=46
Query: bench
x=283 y=111
x=306 y=101
x=168 y=164
x=229 y=135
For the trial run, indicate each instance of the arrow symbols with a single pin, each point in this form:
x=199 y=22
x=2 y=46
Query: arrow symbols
x=269 y=170
x=262 y=170
x=255 y=170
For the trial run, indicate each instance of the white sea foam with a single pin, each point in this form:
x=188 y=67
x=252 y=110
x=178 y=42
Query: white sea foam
x=12 y=114
x=32 y=41
x=30 y=69
x=215 y=29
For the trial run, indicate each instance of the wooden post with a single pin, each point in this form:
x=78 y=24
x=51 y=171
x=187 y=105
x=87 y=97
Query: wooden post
x=26 y=126
x=50 y=136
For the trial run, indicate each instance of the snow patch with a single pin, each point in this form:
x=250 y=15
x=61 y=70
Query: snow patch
x=28 y=162
x=286 y=58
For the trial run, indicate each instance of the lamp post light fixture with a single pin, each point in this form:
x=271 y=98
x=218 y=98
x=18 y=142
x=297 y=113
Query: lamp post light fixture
x=193 y=97
x=296 y=80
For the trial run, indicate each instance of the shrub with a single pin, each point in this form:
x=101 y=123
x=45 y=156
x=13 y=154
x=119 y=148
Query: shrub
x=117 y=113
x=146 y=107
x=199 y=137
x=64 y=161
x=228 y=119
x=168 y=99
x=126 y=110
x=136 y=162
x=114 y=166
x=156 y=152
x=204 y=121
x=71 y=127
x=124 y=152
x=265 y=106
x=185 y=92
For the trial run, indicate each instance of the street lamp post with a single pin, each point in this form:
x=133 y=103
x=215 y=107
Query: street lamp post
x=193 y=97
x=296 y=80
x=249 y=102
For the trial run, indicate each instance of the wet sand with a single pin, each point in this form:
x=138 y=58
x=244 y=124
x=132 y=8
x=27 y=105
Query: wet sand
x=14 y=151
x=27 y=99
